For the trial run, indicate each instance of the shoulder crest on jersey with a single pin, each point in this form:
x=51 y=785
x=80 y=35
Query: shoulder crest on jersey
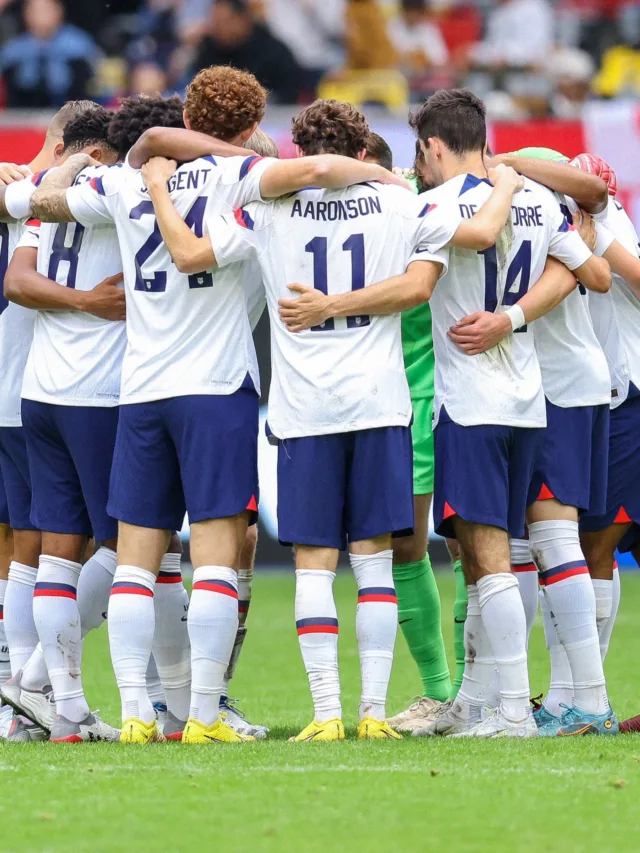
x=210 y=159
x=428 y=207
x=97 y=185
x=37 y=179
x=243 y=218
x=566 y=225
x=247 y=165
x=470 y=182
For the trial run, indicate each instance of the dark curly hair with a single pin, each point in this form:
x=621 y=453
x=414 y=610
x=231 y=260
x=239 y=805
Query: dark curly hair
x=139 y=113
x=90 y=127
x=223 y=101
x=331 y=127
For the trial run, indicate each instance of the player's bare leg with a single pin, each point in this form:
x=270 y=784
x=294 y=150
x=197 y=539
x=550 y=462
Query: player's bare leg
x=570 y=623
x=419 y=616
x=233 y=716
x=495 y=634
x=213 y=623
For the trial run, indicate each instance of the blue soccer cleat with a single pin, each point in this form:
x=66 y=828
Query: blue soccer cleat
x=547 y=723
x=576 y=722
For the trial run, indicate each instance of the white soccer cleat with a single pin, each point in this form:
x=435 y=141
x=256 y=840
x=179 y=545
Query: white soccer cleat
x=497 y=725
x=89 y=730
x=237 y=721
x=23 y=730
x=417 y=715
x=448 y=718
x=6 y=718
x=36 y=705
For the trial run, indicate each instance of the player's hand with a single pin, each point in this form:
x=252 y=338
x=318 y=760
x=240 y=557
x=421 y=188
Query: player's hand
x=387 y=177
x=309 y=309
x=107 y=300
x=586 y=228
x=478 y=332
x=10 y=172
x=506 y=175
x=493 y=160
x=158 y=171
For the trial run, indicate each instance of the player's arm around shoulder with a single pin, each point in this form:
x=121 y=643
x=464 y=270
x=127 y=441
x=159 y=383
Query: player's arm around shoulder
x=49 y=201
x=573 y=244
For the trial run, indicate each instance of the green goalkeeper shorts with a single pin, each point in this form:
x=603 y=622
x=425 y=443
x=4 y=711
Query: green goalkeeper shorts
x=422 y=435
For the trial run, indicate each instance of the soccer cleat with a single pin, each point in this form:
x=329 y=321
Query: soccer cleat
x=370 y=729
x=89 y=730
x=23 y=730
x=161 y=714
x=219 y=732
x=6 y=718
x=330 y=730
x=630 y=725
x=418 y=714
x=547 y=723
x=497 y=725
x=575 y=722
x=173 y=727
x=234 y=717
x=135 y=731
x=427 y=727
x=36 y=705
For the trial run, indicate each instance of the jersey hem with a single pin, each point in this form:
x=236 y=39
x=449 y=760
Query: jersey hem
x=330 y=429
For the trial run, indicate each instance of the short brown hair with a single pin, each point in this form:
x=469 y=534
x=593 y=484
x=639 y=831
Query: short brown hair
x=379 y=151
x=456 y=116
x=65 y=114
x=331 y=127
x=223 y=101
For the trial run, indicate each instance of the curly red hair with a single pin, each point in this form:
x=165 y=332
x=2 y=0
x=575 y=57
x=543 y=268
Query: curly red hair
x=223 y=101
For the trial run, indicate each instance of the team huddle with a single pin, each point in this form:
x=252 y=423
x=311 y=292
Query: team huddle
x=464 y=331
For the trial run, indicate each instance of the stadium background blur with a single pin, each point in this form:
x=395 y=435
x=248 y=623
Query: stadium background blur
x=561 y=73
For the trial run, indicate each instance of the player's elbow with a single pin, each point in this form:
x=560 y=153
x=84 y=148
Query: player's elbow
x=11 y=287
x=143 y=149
x=598 y=277
x=185 y=263
x=319 y=169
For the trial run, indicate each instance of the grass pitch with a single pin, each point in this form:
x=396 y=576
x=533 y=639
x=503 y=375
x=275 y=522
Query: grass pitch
x=569 y=796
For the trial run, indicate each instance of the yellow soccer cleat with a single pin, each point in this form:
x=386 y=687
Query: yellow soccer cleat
x=370 y=729
x=219 y=732
x=135 y=731
x=320 y=732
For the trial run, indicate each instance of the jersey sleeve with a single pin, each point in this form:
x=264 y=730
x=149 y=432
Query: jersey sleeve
x=565 y=244
x=434 y=227
x=94 y=202
x=30 y=238
x=17 y=198
x=239 y=183
x=238 y=236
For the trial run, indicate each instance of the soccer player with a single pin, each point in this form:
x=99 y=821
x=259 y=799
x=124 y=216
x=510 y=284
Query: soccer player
x=187 y=436
x=339 y=403
x=489 y=411
x=419 y=613
x=16 y=329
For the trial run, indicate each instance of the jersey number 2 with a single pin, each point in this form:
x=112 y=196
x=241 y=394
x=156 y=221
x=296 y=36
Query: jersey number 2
x=318 y=248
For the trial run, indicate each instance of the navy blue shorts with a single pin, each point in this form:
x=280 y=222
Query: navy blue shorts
x=482 y=475
x=4 y=506
x=573 y=458
x=14 y=466
x=195 y=454
x=623 y=485
x=70 y=455
x=345 y=487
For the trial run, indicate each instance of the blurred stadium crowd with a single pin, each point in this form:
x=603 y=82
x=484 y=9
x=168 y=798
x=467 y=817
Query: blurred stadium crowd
x=524 y=57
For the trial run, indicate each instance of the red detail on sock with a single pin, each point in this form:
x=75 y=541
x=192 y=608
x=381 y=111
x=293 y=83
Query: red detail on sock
x=318 y=629
x=362 y=599
x=545 y=493
x=448 y=511
x=252 y=506
x=132 y=590
x=212 y=586
x=170 y=578
x=54 y=593
x=524 y=567
x=615 y=565
x=622 y=517
x=570 y=573
x=68 y=739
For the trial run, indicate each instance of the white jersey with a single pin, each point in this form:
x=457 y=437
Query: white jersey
x=16 y=322
x=503 y=385
x=76 y=358
x=349 y=373
x=616 y=315
x=573 y=365
x=186 y=334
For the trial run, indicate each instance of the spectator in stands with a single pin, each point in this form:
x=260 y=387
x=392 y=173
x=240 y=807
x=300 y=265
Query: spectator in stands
x=416 y=38
x=235 y=38
x=148 y=78
x=519 y=35
x=571 y=71
x=368 y=43
x=52 y=62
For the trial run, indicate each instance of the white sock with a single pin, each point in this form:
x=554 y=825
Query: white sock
x=376 y=627
x=154 y=685
x=131 y=622
x=607 y=602
x=171 y=649
x=5 y=663
x=504 y=621
x=561 y=684
x=20 y=629
x=245 y=580
x=34 y=672
x=213 y=623
x=94 y=588
x=526 y=573
x=555 y=546
x=55 y=612
x=479 y=663
x=317 y=626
